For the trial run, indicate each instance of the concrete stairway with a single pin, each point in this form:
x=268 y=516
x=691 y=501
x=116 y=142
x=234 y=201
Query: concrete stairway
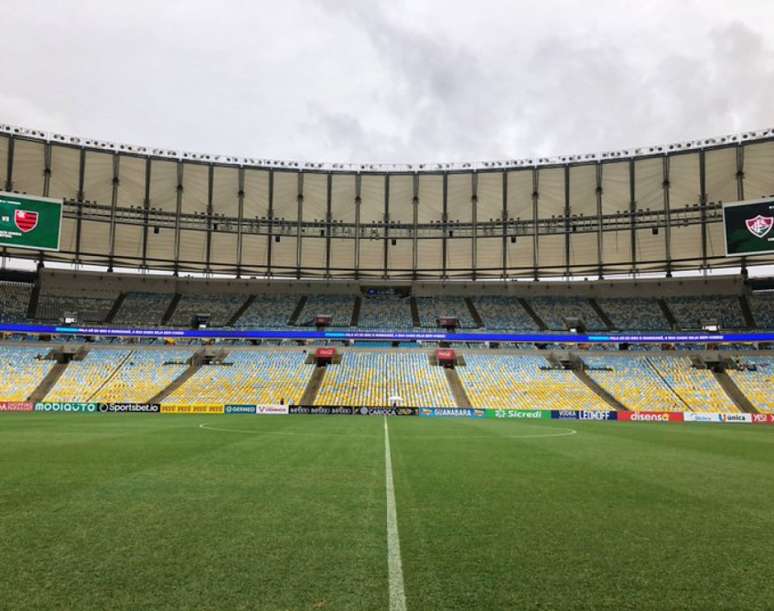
x=601 y=392
x=456 y=387
x=313 y=386
x=734 y=393
x=48 y=382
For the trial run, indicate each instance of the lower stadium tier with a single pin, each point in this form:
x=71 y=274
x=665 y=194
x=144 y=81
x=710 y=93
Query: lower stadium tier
x=664 y=381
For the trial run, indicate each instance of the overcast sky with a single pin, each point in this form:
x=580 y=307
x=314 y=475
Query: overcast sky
x=397 y=81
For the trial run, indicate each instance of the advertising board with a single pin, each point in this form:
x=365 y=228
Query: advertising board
x=519 y=414
x=66 y=407
x=130 y=408
x=650 y=416
x=16 y=406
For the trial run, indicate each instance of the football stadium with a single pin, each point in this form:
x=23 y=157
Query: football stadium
x=543 y=400
x=232 y=382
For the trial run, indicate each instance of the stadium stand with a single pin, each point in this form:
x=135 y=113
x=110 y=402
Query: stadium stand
x=634 y=382
x=220 y=308
x=385 y=312
x=756 y=381
x=268 y=311
x=554 y=310
x=634 y=313
x=21 y=371
x=87 y=308
x=82 y=379
x=339 y=307
x=247 y=377
x=373 y=378
x=431 y=308
x=143 y=308
x=504 y=313
x=143 y=375
x=697 y=387
x=762 y=306
x=14 y=301
x=523 y=382
x=694 y=312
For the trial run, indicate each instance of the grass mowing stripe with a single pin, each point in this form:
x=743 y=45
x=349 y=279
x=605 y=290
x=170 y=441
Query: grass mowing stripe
x=394 y=565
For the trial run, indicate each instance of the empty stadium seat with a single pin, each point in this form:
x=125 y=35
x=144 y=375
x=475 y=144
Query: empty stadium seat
x=698 y=388
x=554 y=310
x=634 y=313
x=432 y=308
x=82 y=379
x=756 y=381
x=272 y=311
x=143 y=375
x=247 y=377
x=385 y=312
x=339 y=307
x=14 y=301
x=634 y=382
x=695 y=312
x=143 y=308
x=373 y=378
x=523 y=382
x=762 y=306
x=220 y=309
x=504 y=313
x=22 y=369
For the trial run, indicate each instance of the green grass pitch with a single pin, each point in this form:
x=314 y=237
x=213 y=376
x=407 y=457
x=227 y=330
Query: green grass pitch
x=131 y=511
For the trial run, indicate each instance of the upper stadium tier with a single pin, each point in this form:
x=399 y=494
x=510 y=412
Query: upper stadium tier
x=653 y=209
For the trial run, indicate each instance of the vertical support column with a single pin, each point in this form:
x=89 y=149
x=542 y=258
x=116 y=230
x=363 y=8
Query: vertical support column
x=47 y=154
x=740 y=188
x=271 y=223
x=178 y=212
x=358 y=202
x=210 y=222
x=536 y=231
x=240 y=218
x=667 y=215
x=116 y=182
x=9 y=166
x=146 y=211
x=444 y=224
x=504 y=226
x=703 y=209
x=600 y=240
x=632 y=216
x=47 y=158
x=386 y=224
x=415 y=229
x=79 y=204
x=299 y=218
x=474 y=222
x=328 y=222
x=567 y=223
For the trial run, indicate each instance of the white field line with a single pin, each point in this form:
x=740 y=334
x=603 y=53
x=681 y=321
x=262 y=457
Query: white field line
x=394 y=564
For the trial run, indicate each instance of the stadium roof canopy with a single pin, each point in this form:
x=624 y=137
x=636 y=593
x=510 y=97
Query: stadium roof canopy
x=652 y=209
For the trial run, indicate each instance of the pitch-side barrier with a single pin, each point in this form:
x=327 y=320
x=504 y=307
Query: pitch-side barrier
x=198 y=409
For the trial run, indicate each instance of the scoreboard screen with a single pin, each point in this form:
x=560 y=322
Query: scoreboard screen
x=30 y=222
x=749 y=227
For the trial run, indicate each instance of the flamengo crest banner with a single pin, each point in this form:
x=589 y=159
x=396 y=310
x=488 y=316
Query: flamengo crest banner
x=30 y=222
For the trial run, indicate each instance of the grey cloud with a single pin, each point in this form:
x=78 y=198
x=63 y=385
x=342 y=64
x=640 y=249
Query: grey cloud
x=388 y=81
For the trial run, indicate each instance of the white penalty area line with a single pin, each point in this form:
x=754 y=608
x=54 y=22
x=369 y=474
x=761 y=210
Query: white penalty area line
x=394 y=564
